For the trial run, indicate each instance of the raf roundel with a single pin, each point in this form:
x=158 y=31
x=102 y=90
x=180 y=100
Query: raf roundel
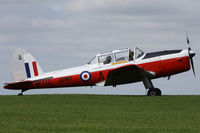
x=85 y=76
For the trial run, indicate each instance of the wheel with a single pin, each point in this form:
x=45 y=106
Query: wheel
x=20 y=94
x=151 y=92
x=159 y=93
x=154 y=92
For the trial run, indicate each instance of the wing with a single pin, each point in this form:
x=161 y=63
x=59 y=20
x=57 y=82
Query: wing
x=127 y=74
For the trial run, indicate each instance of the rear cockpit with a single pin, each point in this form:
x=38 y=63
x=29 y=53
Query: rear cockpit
x=116 y=57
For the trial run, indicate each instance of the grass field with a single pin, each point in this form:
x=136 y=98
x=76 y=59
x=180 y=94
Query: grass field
x=99 y=114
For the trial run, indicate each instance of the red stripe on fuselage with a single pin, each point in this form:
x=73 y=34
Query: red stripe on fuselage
x=35 y=68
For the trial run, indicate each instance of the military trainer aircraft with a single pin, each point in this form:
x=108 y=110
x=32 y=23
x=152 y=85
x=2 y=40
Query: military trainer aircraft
x=107 y=69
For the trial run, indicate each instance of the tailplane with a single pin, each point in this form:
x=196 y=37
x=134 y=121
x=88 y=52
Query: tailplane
x=24 y=66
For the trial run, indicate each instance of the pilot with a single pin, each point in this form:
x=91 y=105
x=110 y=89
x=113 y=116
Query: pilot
x=131 y=54
x=108 y=60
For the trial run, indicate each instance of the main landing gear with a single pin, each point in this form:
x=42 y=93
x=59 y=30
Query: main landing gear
x=151 y=90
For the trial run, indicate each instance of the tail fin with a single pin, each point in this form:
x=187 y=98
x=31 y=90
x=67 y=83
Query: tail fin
x=24 y=66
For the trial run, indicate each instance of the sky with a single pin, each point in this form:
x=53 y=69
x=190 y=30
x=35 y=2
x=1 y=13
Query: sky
x=66 y=33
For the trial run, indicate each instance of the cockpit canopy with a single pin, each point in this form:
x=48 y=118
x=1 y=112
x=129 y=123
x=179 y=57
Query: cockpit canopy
x=117 y=56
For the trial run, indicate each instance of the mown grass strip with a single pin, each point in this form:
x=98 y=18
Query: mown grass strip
x=99 y=113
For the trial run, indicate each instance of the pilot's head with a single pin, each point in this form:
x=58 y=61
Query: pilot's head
x=131 y=53
x=108 y=59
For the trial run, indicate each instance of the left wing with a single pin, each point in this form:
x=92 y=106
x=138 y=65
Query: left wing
x=127 y=74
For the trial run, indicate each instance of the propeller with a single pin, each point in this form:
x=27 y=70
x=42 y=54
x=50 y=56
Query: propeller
x=191 y=55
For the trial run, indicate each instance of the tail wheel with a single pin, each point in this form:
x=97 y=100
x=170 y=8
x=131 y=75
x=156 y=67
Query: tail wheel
x=154 y=92
x=20 y=94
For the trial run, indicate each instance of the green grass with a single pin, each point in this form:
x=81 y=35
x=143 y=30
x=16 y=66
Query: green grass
x=99 y=114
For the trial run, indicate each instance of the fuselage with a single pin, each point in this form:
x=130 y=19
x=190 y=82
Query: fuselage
x=160 y=64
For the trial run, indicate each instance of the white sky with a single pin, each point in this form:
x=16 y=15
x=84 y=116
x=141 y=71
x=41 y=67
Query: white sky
x=66 y=33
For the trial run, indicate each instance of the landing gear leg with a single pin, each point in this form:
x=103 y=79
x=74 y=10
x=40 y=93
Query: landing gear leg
x=151 y=90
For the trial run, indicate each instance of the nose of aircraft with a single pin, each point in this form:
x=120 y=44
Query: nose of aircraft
x=192 y=53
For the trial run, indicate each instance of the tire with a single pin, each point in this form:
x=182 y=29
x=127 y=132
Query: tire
x=154 y=92
x=151 y=92
x=159 y=93
x=20 y=94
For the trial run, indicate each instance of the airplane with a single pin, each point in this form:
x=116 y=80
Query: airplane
x=113 y=68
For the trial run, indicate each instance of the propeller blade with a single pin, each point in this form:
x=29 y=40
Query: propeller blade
x=191 y=61
x=188 y=41
x=190 y=55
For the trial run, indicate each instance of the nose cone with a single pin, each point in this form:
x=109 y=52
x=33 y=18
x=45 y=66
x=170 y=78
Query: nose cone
x=192 y=53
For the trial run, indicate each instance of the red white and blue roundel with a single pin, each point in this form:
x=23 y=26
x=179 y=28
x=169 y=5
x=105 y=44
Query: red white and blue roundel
x=85 y=76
